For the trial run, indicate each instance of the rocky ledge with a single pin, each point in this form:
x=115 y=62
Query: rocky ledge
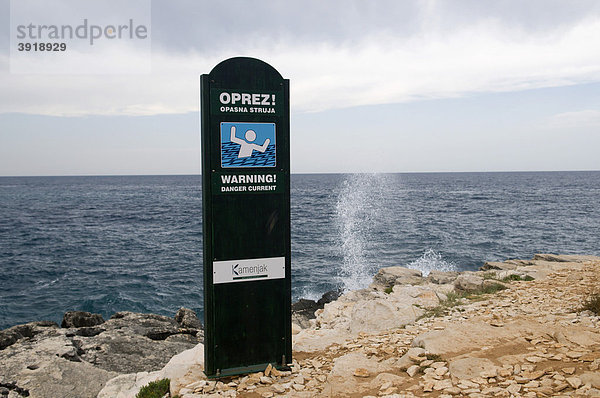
x=41 y=359
x=512 y=329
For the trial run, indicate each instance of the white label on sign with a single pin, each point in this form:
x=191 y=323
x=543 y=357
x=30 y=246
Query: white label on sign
x=256 y=269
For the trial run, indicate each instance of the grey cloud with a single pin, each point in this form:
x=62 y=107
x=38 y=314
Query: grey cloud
x=205 y=26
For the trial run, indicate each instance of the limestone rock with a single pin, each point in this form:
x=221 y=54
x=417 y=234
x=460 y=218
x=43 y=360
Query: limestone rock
x=304 y=310
x=341 y=382
x=310 y=340
x=77 y=319
x=183 y=369
x=469 y=368
x=591 y=378
x=565 y=258
x=136 y=342
x=386 y=378
x=376 y=315
x=13 y=334
x=405 y=361
x=574 y=382
x=361 y=372
x=412 y=370
x=468 y=282
x=390 y=276
x=469 y=335
x=77 y=361
x=48 y=365
x=442 y=277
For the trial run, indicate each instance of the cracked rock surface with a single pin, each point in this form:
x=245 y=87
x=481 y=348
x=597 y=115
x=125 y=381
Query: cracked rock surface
x=40 y=359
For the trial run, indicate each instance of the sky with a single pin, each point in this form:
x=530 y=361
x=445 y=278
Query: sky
x=376 y=86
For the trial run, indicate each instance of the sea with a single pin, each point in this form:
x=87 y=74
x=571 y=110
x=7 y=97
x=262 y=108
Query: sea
x=134 y=243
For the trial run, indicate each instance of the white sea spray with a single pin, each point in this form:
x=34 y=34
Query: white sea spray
x=359 y=209
x=431 y=261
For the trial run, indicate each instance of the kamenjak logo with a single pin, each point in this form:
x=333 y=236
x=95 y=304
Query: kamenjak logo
x=80 y=37
x=249 y=272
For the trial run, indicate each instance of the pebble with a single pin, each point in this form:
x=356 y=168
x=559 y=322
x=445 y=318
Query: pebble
x=513 y=388
x=361 y=372
x=278 y=388
x=441 y=371
x=574 y=382
x=412 y=371
x=298 y=387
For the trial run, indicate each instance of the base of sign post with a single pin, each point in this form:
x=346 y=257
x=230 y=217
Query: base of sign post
x=223 y=373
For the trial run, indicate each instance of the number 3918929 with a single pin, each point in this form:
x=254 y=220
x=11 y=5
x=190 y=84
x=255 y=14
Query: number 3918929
x=41 y=46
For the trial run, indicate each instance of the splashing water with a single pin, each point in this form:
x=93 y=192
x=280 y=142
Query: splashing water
x=358 y=208
x=430 y=261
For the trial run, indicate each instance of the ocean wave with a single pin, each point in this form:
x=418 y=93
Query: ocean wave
x=431 y=261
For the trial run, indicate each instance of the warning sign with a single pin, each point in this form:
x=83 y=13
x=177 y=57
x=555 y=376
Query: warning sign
x=248 y=144
x=245 y=120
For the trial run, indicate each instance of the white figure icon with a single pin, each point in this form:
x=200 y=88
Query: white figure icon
x=247 y=147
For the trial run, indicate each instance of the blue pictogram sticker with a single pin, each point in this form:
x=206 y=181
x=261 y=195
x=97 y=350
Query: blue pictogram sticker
x=247 y=144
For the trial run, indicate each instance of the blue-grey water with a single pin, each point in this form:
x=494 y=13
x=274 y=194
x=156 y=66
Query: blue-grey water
x=107 y=244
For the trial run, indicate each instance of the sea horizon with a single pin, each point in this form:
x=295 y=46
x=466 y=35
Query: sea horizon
x=113 y=243
x=312 y=173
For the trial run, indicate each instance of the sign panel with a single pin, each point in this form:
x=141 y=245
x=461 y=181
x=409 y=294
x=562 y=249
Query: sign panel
x=246 y=218
x=245 y=270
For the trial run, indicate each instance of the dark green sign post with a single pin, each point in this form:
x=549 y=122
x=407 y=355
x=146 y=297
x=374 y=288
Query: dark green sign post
x=246 y=215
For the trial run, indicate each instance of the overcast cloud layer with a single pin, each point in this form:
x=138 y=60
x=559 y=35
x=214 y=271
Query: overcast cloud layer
x=337 y=54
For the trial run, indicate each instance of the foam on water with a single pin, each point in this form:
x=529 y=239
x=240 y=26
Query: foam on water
x=431 y=261
x=358 y=209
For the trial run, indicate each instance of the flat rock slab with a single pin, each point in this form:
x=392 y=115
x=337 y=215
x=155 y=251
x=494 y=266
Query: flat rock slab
x=49 y=361
x=351 y=374
x=469 y=368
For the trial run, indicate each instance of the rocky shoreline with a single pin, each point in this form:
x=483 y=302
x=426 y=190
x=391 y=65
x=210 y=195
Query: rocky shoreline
x=514 y=328
x=41 y=359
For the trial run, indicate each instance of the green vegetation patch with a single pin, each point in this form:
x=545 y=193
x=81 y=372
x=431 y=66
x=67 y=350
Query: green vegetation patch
x=454 y=299
x=154 y=389
x=515 y=277
x=592 y=303
x=388 y=290
x=434 y=357
x=491 y=288
x=490 y=275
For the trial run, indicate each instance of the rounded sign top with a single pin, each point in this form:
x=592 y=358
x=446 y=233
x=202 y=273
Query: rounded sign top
x=246 y=71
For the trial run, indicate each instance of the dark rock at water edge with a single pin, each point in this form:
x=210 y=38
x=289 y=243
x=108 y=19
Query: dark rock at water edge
x=329 y=296
x=304 y=310
x=187 y=318
x=77 y=319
